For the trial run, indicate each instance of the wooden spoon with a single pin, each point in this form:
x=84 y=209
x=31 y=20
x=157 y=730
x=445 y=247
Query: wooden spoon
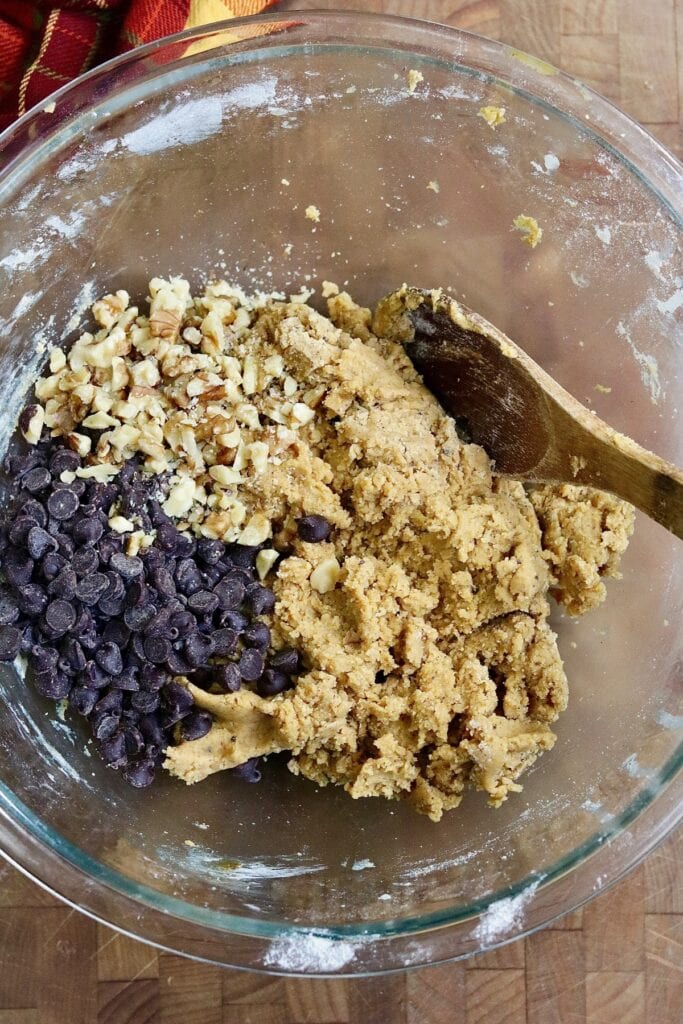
x=531 y=427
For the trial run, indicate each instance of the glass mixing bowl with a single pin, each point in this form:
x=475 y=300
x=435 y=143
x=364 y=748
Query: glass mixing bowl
x=199 y=156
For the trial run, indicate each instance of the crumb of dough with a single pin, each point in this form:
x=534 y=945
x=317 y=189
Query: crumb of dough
x=493 y=115
x=434 y=186
x=414 y=79
x=312 y=213
x=423 y=619
x=50 y=107
x=577 y=463
x=329 y=288
x=530 y=229
x=603 y=389
x=284 y=181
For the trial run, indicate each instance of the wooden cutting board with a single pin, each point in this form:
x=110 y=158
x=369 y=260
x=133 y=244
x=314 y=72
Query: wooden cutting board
x=620 y=959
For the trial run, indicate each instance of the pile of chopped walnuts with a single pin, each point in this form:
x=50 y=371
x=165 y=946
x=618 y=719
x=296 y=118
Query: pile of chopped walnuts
x=183 y=390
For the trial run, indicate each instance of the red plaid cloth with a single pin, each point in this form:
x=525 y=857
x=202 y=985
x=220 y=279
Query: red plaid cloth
x=43 y=45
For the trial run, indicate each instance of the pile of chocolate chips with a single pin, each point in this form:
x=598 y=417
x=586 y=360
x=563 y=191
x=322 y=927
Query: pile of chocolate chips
x=107 y=632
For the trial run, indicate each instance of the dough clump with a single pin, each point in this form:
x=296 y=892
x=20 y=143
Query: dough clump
x=430 y=663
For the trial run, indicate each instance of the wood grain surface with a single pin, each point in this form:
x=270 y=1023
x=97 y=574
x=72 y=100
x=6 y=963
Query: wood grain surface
x=617 y=961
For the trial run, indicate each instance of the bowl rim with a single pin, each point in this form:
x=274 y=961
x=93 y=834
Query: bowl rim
x=81 y=881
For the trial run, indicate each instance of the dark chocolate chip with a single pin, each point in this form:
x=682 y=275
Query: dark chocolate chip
x=230 y=593
x=53 y=684
x=210 y=551
x=113 y=750
x=260 y=600
x=52 y=564
x=272 y=682
x=313 y=529
x=152 y=678
x=83 y=699
x=198 y=649
x=19 y=531
x=87 y=531
x=139 y=775
x=32 y=600
x=64 y=585
x=39 y=542
x=105 y=724
x=163 y=581
x=60 y=616
x=242 y=555
x=145 y=701
x=257 y=635
x=85 y=561
x=251 y=665
x=126 y=565
x=62 y=504
x=108 y=657
x=116 y=632
x=34 y=510
x=203 y=602
x=64 y=461
x=224 y=641
x=183 y=623
x=235 y=620
x=157 y=649
x=196 y=725
x=248 y=771
x=9 y=612
x=36 y=480
x=228 y=677
x=91 y=588
x=286 y=661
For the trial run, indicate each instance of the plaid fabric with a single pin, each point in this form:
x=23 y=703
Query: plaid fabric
x=45 y=44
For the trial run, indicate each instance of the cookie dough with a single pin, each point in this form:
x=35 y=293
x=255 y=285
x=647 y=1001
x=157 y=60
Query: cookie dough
x=423 y=619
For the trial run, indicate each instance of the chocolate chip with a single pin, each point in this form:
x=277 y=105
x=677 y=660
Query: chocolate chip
x=230 y=593
x=177 y=665
x=116 y=632
x=286 y=661
x=127 y=680
x=187 y=577
x=108 y=657
x=39 y=542
x=32 y=600
x=139 y=775
x=248 y=771
x=260 y=600
x=87 y=531
x=150 y=727
x=235 y=620
x=224 y=641
x=257 y=635
x=126 y=565
x=113 y=750
x=145 y=701
x=19 y=531
x=111 y=606
x=242 y=555
x=36 y=480
x=74 y=653
x=60 y=616
x=157 y=649
x=313 y=529
x=196 y=725
x=203 y=602
x=85 y=561
x=163 y=581
x=105 y=724
x=183 y=623
x=10 y=640
x=64 y=585
x=18 y=567
x=251 y=665
x=167 y=537
x=139 y=617
x=91 y=588
x=152 y=678
x=82 y=699
x=53 y=684
x=198 y=649
x=228 y=677
x=62 y=504
x=52 y=564
x=272 y=682
x=210 y=551
x=34 y=510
